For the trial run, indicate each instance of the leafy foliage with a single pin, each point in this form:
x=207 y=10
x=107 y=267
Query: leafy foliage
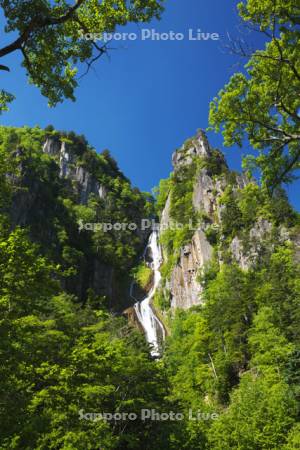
x=262 y=105
x=58 y=359
x=50 y=37
x=242 y=208
x=142 y=275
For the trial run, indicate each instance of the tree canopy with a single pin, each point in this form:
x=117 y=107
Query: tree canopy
x=49 y=36
x=261 y=104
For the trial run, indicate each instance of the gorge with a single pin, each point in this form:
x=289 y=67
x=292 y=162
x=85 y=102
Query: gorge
x=211 y=307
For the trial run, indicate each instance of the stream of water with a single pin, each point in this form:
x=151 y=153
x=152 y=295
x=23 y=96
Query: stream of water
x=154 y=329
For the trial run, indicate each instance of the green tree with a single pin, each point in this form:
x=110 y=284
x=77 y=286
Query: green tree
x=261 y=412
x=58 y=358
x=49 y=36
x=271 y=351
x=26 y=281
x=262 y=103
x=278 y=288
x=161 y=192
x=263 y=407
x=229 y=309
x=191 y=374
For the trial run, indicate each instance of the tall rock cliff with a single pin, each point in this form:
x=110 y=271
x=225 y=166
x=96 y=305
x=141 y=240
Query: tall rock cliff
x=229 y=219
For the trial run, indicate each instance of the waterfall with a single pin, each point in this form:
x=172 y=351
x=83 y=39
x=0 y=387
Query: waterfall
x=154 y=329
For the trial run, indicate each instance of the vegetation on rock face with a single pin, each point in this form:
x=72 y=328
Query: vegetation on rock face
x=183 y=217
x=179 y=188
x=52 y=208
x=243 y=211
x=161 y=301
x=142 y=275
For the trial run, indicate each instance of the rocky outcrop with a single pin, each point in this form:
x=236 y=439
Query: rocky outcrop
x=183 y=283
x=198 y=146
x=184 y=286
x=258 y=235
x=165 y=216
x=85 y=183
x=64 y=161
x=51 y=180
x=206 y=193
x=52 y=146
x=132 y=318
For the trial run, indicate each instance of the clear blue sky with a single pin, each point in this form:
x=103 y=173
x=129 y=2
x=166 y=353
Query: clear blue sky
x=148 y=97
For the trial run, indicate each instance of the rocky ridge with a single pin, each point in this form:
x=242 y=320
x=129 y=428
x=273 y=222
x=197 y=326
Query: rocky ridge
x=183 y=284
x=86 y=183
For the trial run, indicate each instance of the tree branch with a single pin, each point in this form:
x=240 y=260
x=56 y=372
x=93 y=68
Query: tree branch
x=287 y=169
x=36 y=25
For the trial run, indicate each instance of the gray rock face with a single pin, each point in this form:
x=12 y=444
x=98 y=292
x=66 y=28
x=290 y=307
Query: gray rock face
x=165 y=220
x=199 y=146
x=206 y=194
x=184 y=288
x=52 y=147
x=241 y=180
x=260 y=230
x=102 y=191
x=296 y=242
x=259 y=233
x=64 y=161
x=165 y=216
x=86 y=183
x=237 y=250
x=203 y=196
x=183 y=285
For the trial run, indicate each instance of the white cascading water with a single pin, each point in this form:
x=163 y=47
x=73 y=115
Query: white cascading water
x=146 y=316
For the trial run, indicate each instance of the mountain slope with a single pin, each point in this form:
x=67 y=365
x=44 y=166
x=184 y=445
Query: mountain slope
x=63 y=192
